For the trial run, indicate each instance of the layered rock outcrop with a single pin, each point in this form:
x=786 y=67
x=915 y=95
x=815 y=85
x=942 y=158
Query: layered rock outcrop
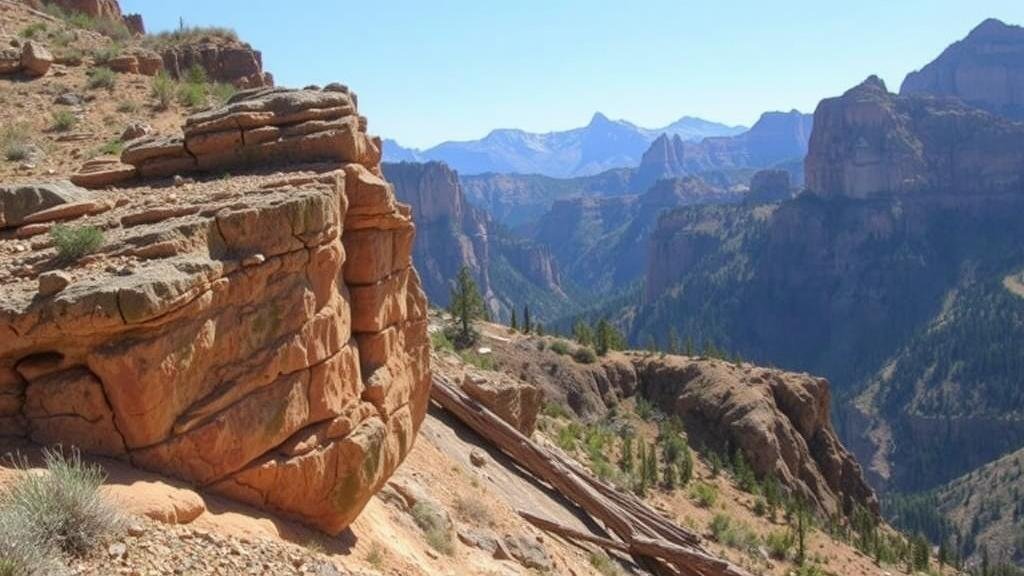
x=985 y=69
x=262 y=336
x=780 y=421
x=224 y=60
x=869 y=143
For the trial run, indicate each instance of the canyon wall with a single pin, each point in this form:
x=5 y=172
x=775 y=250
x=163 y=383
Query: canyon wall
x=261 y=335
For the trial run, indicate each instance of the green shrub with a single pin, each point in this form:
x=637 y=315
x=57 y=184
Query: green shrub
x=107 y=53
x=434 y=526
x=64 y=120
x=780 y=544
x=584 y=356
x=127 y=107
x=221 y=92
x=101 y=77
x=162 y=87
x=188 y=35
x=704 y=495
x=14 y=139
x=603 y=564
x=481 y=361
x=112 y=148
x=32 y=30
x=559 y=347
x=439 y=341
x=196 y=74
x=733 y=533
x=62 y=507
x=555 y=410
x=567 y=436
x=74 y=242
x=192 y=95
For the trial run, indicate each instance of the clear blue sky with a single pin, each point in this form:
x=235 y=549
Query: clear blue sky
x=428 y=71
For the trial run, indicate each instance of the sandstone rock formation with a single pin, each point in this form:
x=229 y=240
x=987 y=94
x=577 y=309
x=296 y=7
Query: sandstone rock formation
x=136 y=61
x=29 y=57
x=224 y=59
x=985 y=69
x=262 y=336
x=779 y=420
x=515 y=401
x=869 y=142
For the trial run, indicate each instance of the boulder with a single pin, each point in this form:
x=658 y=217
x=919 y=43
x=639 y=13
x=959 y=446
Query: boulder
x=35 y=59
x=19 y=202
x=515 y=401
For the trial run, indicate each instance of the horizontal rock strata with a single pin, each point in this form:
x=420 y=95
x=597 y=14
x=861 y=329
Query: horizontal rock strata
x=263 y=335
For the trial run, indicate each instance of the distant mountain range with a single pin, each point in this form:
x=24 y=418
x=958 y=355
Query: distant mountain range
x=601 y=145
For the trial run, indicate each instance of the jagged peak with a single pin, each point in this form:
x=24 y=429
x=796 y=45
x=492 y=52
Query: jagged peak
x=599 y=118
x=871 y=85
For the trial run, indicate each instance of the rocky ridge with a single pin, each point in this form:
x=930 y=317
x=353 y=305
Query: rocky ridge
x=985 y=69
x=251 y=334
x=870 y=142
x=779 y=420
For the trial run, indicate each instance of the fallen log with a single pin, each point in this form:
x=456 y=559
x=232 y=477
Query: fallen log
x=654 y=541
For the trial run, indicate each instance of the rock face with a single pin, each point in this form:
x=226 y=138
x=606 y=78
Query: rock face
x=262 y=336
x=985 y=69
x=515 y=401
x=102 y=9
x=776 y=137
x=224 y=59
x=779 y=420
x=870 y=143
x=452 y=234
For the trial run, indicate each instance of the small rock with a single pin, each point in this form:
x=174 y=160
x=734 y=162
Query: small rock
x=477 y=457
x=135 y=130
x=69 y=99
x=117 y=550
x=135 y=529
x=254 y=260
x=53 y=282
x=180 y=181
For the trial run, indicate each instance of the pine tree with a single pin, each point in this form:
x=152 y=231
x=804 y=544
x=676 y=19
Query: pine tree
x=673 y=341
x=527 y=325
x=466 y=305
x=688 y=346
x=651 y=346
x=652 y=466
x=626 y=458
x=514 y=324
x=582 y=333
x=685 y=466
x=640 y=484
x=606 y=338
x=801 y=531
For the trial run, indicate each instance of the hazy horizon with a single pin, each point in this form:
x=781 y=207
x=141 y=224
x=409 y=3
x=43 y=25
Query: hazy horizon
x=543 y=68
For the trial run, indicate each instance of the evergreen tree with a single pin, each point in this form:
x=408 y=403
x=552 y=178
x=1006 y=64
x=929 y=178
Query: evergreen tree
x=801 y=530
x=651 y=346
x=685 y=465
x=651 y=472
x=606 y=338
x=514 y=324
x=466 y=305
x=582 y=333
x=673 y=341
x=527 y=325
x=688 y=346
x=640 y=484
x=539 y=329
x=626 y=458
